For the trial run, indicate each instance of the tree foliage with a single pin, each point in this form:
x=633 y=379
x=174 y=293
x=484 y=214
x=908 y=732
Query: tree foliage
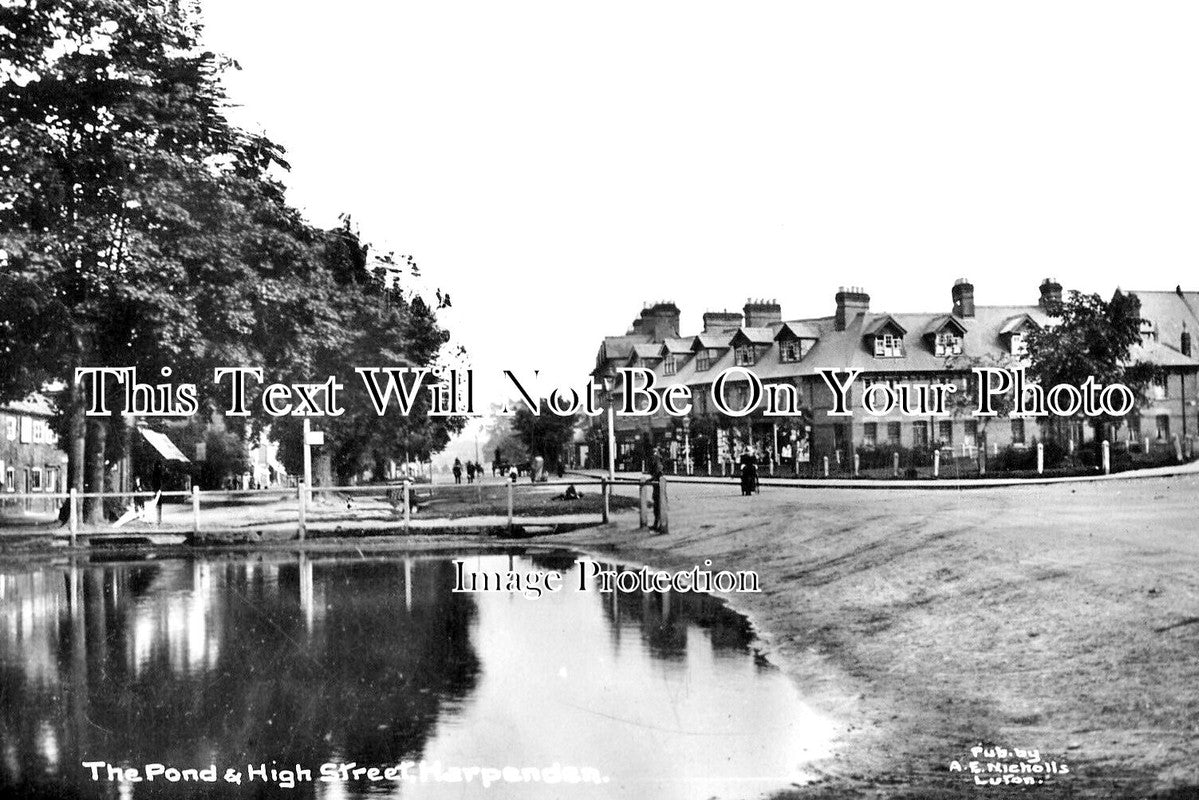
x=138 y=227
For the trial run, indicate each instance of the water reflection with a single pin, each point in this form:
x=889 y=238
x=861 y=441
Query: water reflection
x=311 y=659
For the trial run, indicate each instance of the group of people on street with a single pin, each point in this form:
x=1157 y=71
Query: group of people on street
x=473 y=469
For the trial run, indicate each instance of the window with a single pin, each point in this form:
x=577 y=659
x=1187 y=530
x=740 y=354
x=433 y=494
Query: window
x=703 y=360
x=870 y=434
x=10 y=428
x=920 y=434
x=1017 y=431
x=893 y=433
x=35 y=480
x=10 y=479
x=791 y=351
x=948 y=344
x=1163 y=427
x=670 y=365
x=1019 y=347
x=1134 y=426
x=945 y=433
x=841 y=438
x=52 y=479
x=1161 y=386
x=888 y=346
x=970 y=433
x=743 y=356
x=26 y=430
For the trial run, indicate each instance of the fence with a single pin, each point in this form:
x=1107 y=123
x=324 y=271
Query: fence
x=285 y=513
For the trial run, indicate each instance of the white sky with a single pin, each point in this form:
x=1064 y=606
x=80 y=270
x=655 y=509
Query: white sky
x=555 y=164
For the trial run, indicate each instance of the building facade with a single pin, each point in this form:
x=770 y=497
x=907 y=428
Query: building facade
x=30 y=459
x=913 y=350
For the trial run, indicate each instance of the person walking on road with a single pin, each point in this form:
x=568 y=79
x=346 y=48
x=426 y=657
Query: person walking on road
x=457 y=470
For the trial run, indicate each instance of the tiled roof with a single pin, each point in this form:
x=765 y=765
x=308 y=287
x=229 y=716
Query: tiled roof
x=1168 y=311
x=36 y=404
x=754 y=335
x=798 y=330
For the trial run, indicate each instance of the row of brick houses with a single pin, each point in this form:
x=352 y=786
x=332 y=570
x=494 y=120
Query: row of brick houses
x=898 y=348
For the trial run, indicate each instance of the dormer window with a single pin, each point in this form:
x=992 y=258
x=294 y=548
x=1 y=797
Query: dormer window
x=670 y=364
x=746 y=355
x=791 y=351
x=887 y=345
x=948 y=343
x=1019 y=346
x=703 y=360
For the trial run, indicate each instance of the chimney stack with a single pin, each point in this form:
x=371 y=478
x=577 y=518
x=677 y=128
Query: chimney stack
x=661 y=320
x=762 y=313
x=1185 y=341
x=851 y=302
x=721 y=321
x=963 y=298
x=1051 y=292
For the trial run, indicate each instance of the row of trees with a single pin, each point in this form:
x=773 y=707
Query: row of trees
x=138 y=227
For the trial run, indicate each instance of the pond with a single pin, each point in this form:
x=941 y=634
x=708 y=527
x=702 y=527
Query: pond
x=289 y=672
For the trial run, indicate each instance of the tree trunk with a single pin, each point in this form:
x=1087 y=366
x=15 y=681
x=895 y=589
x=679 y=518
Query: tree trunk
x=97 y=434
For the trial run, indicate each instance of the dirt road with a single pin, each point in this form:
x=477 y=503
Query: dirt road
x=1063 y=618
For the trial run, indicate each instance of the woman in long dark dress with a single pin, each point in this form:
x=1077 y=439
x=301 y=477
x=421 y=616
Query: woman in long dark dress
x=749 y=473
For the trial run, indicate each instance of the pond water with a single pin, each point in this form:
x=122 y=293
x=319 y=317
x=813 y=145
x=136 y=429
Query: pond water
x=280 y=660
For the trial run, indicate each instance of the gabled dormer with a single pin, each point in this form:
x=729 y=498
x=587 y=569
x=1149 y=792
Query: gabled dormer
x=795 y=339
x=708 y=348
x=675 y=353
x=884 y=337
x=1013 y=331
x=750 y=344
x=945 y=336
x=645 y=355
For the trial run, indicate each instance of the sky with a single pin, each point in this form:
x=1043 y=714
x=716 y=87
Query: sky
x=554 y=166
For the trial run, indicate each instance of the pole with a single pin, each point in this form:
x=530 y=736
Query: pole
x=307 y=456
x=1040 y=458
x=604 y=489
x=196 y=510
x=936 y=463
x=511 y=504
x=663 y=507
x=643 y=506
x=74 y=515
x=611 y=443
x=407 y=504
x=302 y=494
x=1107 y=456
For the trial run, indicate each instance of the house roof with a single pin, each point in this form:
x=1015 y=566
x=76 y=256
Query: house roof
x=678 y=345
x=1017 y=322
x=937 y=324
x=36 y=404
x=1169 y=311
x=879 y=323
x=753 y=336
x=797 y=329
x=646 y=351
x=712 y=341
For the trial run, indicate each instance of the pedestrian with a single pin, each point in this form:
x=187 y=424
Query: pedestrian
x=749 y=473
x=655 y=475
x=457 y=470
x=470 y=472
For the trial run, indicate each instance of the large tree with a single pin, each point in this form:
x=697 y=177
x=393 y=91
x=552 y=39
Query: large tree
x=1090 y=338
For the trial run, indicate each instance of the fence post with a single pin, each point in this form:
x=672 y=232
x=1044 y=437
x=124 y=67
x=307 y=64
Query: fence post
x=511 y=501
x=643 y=505
x=302 y=493
x=74 y=518
x=982 y=460
x=407 y=505
x=1177 y=448
x=1107 y=456
x=826 y=466
x=1145 y=449
x=663 y=507
x=895 y=465
x=1040 y=458
x=857 y=464
x=196 y=510
x=937 y=463
x=604 y=489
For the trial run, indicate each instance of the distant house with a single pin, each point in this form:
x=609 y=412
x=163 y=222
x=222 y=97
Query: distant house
x=30 y=459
